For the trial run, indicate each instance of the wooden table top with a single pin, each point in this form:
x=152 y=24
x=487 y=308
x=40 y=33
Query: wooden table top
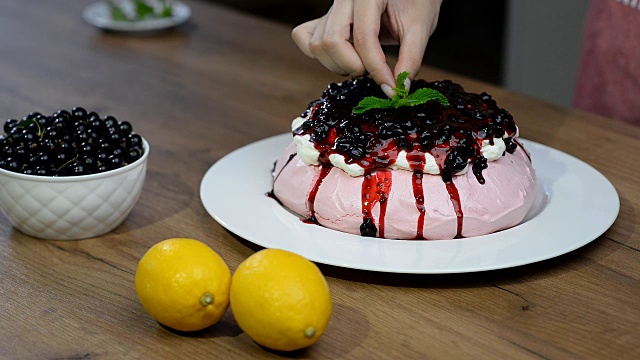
x=224 y=80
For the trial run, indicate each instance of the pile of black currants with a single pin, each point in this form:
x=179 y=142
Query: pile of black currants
x=68 y=144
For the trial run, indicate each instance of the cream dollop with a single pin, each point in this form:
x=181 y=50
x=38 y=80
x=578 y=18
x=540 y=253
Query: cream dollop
x=297 y=122
x=306 y=151
x=495 y=151
x=429 y=163
x=338 y=161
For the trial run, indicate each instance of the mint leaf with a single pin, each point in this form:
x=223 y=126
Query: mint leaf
x=143 y=9
x=371 y=102
x=23 y=124
x=401 y=98
x=117 y=14
x=400 y=89
x=167 y=11
x=397 y=101
x=423 y=95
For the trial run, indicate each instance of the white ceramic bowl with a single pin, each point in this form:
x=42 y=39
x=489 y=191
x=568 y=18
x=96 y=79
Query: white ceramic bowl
x=72 y=207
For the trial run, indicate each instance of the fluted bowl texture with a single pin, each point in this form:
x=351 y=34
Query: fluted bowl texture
x=72 y=207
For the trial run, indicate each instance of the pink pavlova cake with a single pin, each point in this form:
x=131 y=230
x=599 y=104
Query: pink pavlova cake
x=432 y=163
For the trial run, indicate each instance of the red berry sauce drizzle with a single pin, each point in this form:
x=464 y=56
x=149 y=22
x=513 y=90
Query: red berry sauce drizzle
x=375 y=189
x=452 y=134
x=311 y=199
x=275 y=176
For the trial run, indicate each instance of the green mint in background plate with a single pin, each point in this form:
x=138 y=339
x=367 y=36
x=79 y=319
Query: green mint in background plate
x=143 y=10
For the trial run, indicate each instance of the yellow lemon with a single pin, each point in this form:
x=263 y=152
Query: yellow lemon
x=280 y=300
x=183 y=284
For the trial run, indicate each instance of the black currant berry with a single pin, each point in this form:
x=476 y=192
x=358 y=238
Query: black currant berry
x=78 y=114
x=10 y=124
x=114 y=161
x=110 y=122
x=125 y=127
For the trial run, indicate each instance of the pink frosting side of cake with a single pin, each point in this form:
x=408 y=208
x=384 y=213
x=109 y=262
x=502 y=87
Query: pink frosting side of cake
x=500 y=203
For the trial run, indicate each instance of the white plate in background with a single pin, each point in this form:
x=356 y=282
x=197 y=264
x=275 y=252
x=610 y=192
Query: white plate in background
x=99 y=15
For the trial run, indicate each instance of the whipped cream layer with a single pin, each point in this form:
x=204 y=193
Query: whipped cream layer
x=492 y=150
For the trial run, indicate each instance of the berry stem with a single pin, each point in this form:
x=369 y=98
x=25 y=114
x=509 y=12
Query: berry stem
x=67 y=163
x=25 y=123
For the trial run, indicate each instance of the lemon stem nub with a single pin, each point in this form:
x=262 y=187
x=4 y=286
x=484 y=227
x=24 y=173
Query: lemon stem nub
x=206 y=299
x=309 y=332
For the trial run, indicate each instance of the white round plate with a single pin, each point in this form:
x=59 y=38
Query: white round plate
x=575 y=205
x=99 y=15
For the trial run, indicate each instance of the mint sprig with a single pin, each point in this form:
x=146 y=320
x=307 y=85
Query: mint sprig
x=400 y=89
x=142 y=10
x=117 y=14
x=401 y=98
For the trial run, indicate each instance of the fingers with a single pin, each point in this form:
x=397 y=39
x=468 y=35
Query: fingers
x=308 y=37
x=408 y=22
x=318 y=46
x=412 y=47
x=366 y=28
x=331 y=41
x=413 y=24
x=302 y=34
x=327 y=39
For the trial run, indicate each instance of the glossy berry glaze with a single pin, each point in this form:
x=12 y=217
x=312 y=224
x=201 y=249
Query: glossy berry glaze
x=452 y=134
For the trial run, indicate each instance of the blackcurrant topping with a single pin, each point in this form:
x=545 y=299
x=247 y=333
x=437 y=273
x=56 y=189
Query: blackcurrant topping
x=454 y=133
x=68 y=144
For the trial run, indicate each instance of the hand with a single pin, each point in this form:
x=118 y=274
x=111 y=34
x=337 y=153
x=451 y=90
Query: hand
x=347 y=40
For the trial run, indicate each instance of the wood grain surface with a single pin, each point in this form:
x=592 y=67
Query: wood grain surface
x=224 y=80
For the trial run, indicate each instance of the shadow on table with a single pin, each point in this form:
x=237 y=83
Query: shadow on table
x=164 y=194
x=342 y=314
x=226 y=327
x=547 y=268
